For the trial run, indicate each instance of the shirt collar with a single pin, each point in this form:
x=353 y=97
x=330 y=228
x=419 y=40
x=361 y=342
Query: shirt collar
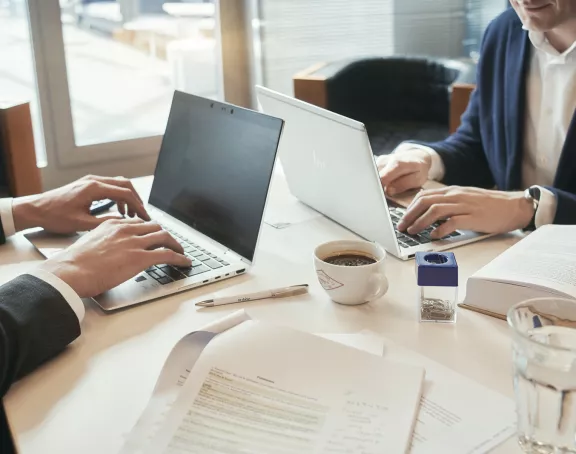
x=539 y=41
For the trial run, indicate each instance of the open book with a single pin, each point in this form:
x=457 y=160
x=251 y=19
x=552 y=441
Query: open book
x=541 y=265
x=247 y=386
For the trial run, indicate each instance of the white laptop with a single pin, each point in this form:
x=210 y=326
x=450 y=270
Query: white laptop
x=329 y=165
x=210 y=189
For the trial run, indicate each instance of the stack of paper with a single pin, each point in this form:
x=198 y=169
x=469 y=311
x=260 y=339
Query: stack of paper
x=264 y=389
x=260 y=388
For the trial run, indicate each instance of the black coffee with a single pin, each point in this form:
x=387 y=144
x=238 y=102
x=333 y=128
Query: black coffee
x=350 y=260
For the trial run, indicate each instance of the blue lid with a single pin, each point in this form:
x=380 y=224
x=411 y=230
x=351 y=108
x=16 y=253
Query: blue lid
x=436 y=269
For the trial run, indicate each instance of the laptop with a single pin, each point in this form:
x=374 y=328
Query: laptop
x=329 y=166
x=210 y=190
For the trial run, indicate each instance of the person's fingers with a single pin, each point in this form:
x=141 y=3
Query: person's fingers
x=138 y=227
x=440 y=211
x=451 y=225
x=117 y=181
x=89 y=222
x=451 y=194
x=417 y=209
x=161 y=239
x=167 y=256
x=403 y=184
x=135 y=222
x=429 y=192
x=397 y=169
x=121 y=208
x=100 y=190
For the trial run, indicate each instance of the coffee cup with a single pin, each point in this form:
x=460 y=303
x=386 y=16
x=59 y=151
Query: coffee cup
x=351 y=272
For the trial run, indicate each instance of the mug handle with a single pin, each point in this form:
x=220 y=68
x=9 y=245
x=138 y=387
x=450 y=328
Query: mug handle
x=380 y=282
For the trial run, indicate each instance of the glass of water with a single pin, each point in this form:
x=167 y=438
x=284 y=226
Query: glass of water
x=544 y=354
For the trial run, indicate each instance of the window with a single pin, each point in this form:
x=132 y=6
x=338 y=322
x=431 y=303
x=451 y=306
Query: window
x=17 y=75
x=295 y=34
x=123 y=65
x=107 y=70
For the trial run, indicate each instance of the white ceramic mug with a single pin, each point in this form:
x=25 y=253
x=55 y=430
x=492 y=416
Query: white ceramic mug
x=352 y=285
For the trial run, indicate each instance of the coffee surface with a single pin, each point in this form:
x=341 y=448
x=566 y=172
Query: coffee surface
x=350 y=260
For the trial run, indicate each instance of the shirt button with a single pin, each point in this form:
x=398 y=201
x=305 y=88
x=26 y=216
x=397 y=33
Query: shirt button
x=543 y=161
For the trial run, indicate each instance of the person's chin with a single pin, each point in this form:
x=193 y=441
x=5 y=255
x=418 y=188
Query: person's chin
x=540 y=19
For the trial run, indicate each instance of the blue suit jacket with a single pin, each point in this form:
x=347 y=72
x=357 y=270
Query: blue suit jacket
x=487 y=149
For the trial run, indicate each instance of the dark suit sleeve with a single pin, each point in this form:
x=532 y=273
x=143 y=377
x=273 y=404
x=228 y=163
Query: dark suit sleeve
x=566 y=206
x=462 y=153
x=36 y=323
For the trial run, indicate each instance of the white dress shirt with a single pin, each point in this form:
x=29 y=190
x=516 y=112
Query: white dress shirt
x=551 y=103
x=62 y=287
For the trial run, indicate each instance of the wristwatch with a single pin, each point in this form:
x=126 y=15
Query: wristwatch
x=532 y=194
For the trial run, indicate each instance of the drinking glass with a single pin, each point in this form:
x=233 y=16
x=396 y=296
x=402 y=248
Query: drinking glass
x=544 y=355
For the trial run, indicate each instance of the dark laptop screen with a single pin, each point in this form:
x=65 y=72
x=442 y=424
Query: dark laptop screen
x=214 y=169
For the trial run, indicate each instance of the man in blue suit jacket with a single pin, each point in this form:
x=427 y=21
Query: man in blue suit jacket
x=514 y=156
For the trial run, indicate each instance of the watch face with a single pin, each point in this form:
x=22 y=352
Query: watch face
x=534 y=192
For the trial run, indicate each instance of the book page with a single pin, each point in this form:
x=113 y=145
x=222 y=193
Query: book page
x=258 y=386
x=544 y=259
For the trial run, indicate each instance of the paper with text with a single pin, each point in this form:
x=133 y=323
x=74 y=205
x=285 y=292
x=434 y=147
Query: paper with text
x=173 y=376
x=264 y=389
x=457 y=415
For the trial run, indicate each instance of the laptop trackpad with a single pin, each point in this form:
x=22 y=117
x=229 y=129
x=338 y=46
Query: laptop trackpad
x=49 y=244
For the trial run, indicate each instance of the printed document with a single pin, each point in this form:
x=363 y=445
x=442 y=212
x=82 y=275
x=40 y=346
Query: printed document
x=264 y=389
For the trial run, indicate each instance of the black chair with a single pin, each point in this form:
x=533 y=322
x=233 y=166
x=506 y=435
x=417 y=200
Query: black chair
x=397 y=98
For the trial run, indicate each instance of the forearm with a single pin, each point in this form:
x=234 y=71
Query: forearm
x=36 y=323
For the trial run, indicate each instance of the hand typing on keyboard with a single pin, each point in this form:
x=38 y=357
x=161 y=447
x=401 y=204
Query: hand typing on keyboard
x=405 y=170
x=466 y=208
x=113 y=253
x=202 y=261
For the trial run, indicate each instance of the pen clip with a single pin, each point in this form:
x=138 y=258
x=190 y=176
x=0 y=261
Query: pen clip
x=291 y=291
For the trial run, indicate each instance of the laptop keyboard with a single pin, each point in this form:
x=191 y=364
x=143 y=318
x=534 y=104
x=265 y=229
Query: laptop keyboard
x=202 y=262
x=406 y=240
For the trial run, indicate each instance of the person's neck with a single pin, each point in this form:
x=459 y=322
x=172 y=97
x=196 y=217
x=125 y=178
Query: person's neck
x=562 y=37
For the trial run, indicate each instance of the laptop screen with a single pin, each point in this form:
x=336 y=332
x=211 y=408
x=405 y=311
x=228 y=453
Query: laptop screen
x=214 y=169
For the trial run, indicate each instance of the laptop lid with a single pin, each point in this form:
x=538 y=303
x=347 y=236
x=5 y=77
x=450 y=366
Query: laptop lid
x=329 y=165
x=214 y=169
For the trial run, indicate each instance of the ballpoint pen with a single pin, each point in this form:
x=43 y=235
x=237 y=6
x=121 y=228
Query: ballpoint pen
x=283 y=292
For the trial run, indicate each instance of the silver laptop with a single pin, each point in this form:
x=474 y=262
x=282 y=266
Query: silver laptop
x=329 y=165
x=210 y=190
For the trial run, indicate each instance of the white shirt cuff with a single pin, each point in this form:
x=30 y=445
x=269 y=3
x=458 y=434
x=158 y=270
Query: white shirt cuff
x=7 y=217
x=547 y=205
x=437 y=169
x=64 y=289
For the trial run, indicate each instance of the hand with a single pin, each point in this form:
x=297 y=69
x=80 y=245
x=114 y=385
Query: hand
x=67 y=209
x=114 y=252
x=476 y=209
x=400 y=172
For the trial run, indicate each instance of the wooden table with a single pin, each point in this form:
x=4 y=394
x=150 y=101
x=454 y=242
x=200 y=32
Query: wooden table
x=87 y=399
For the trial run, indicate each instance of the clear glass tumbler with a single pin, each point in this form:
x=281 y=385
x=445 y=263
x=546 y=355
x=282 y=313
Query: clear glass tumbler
x=544 y=355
